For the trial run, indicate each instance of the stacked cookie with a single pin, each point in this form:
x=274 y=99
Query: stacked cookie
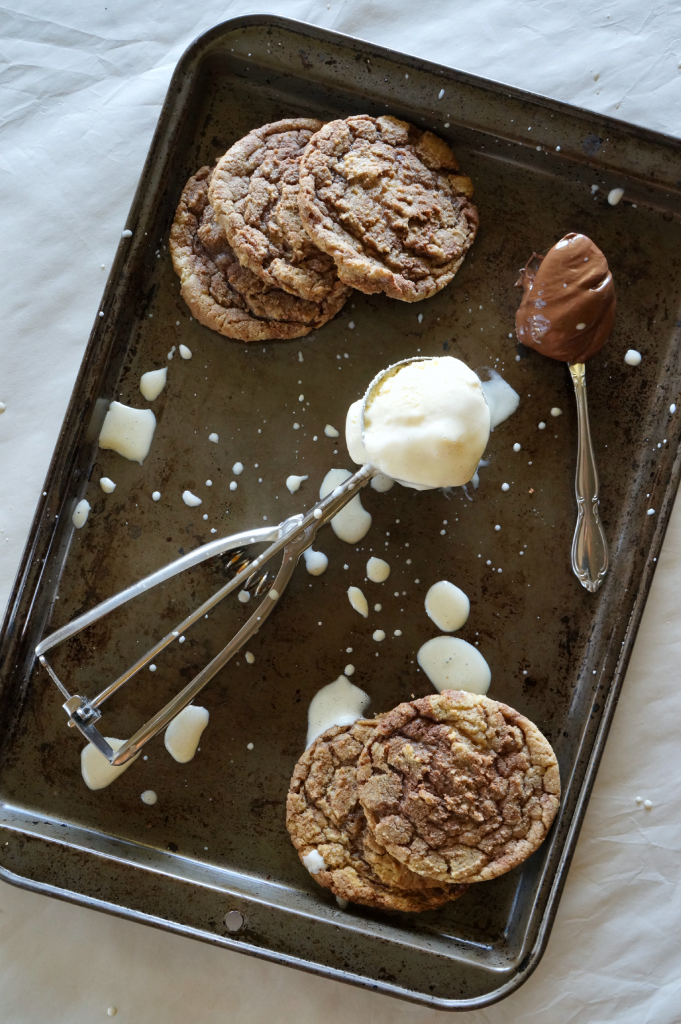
x=404 y=812
x=270 y=242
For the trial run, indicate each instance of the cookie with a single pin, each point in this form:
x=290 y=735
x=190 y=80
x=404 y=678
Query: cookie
x=384 y=199
x=328 y=829
x=458 y=787
x=222 y=294
x=254 y=192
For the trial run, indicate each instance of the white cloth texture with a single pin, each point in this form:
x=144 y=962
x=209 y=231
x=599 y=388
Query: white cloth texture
x=81 y=86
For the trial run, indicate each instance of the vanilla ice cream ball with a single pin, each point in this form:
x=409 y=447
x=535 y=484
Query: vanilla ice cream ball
x=426 y=423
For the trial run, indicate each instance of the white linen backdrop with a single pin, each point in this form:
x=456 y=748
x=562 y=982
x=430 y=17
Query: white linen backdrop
x=81 y=85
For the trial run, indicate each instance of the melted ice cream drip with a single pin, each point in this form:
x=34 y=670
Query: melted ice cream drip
x=107 y=485
x=475 y=479
x=96 y=770
x=352 y=522
x=80 y=514
x=358 y=601
x=378 y=570
x=453 y=664
x=184 y=732
x=353 y=434
x=339 y=703
x=314 y=861
x=331 y=431
x=128 y=431
x=153 y=382
x=316 y=562
x=382 y=483
x=447 y=606
x=501 y=398
x=191 y=499
x=293 y=482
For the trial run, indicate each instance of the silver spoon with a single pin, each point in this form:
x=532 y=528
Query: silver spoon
x=589 y=544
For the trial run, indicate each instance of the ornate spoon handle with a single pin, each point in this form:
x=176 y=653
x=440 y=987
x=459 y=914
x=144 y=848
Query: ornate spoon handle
x=589 y=545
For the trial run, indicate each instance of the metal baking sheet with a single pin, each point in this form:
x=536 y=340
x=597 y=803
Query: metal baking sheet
x=216 y=840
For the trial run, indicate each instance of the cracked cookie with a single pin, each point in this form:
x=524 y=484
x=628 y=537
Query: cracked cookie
x=328 y=829
x=458 y=787
x=254 y=192
x=386 y=201
x=222 y=294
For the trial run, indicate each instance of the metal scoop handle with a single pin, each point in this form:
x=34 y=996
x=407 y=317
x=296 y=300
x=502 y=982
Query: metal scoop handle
x=292 y=537
x=589 y=545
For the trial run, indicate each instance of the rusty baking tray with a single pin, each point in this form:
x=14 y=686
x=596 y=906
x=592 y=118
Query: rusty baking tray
x=216 y=841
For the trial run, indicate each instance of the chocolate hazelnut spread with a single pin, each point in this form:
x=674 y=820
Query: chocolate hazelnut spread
x=568 y=307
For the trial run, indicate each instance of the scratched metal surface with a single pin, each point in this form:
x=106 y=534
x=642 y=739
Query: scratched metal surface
x=216 y=839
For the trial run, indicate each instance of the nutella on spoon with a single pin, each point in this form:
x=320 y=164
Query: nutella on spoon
x=567 y=313
x=568 y=306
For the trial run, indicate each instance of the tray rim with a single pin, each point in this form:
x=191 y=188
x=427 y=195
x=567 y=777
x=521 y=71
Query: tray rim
x=58 y=468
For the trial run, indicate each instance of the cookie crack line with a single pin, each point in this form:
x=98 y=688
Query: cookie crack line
x=386 y=201
x=458 y=787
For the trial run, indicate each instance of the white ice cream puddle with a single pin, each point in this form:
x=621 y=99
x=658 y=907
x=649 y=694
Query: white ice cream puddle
x=352 y=522
x=238 y=468
x=331 y=431
x=378 y=635
x=293 y=482
x=314 y=861
x=358 y=601
x=149 y=797
x=214 y=438
x=80 y=514
x=185 y=352
x=107 y=485
x=378 y=570
x=191 y=499
x=632 y=357
x=454 y=664
x=614 y=196
x=184 y=732
x=156 y=496
x=128 y=431
x=447 y=606
x=501 y=398
x=316 y=562
x=153 y=382
x=382 y=483
x=338 y=703
x=96 y=770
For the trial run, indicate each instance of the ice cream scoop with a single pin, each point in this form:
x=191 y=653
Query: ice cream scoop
x=567 y=313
